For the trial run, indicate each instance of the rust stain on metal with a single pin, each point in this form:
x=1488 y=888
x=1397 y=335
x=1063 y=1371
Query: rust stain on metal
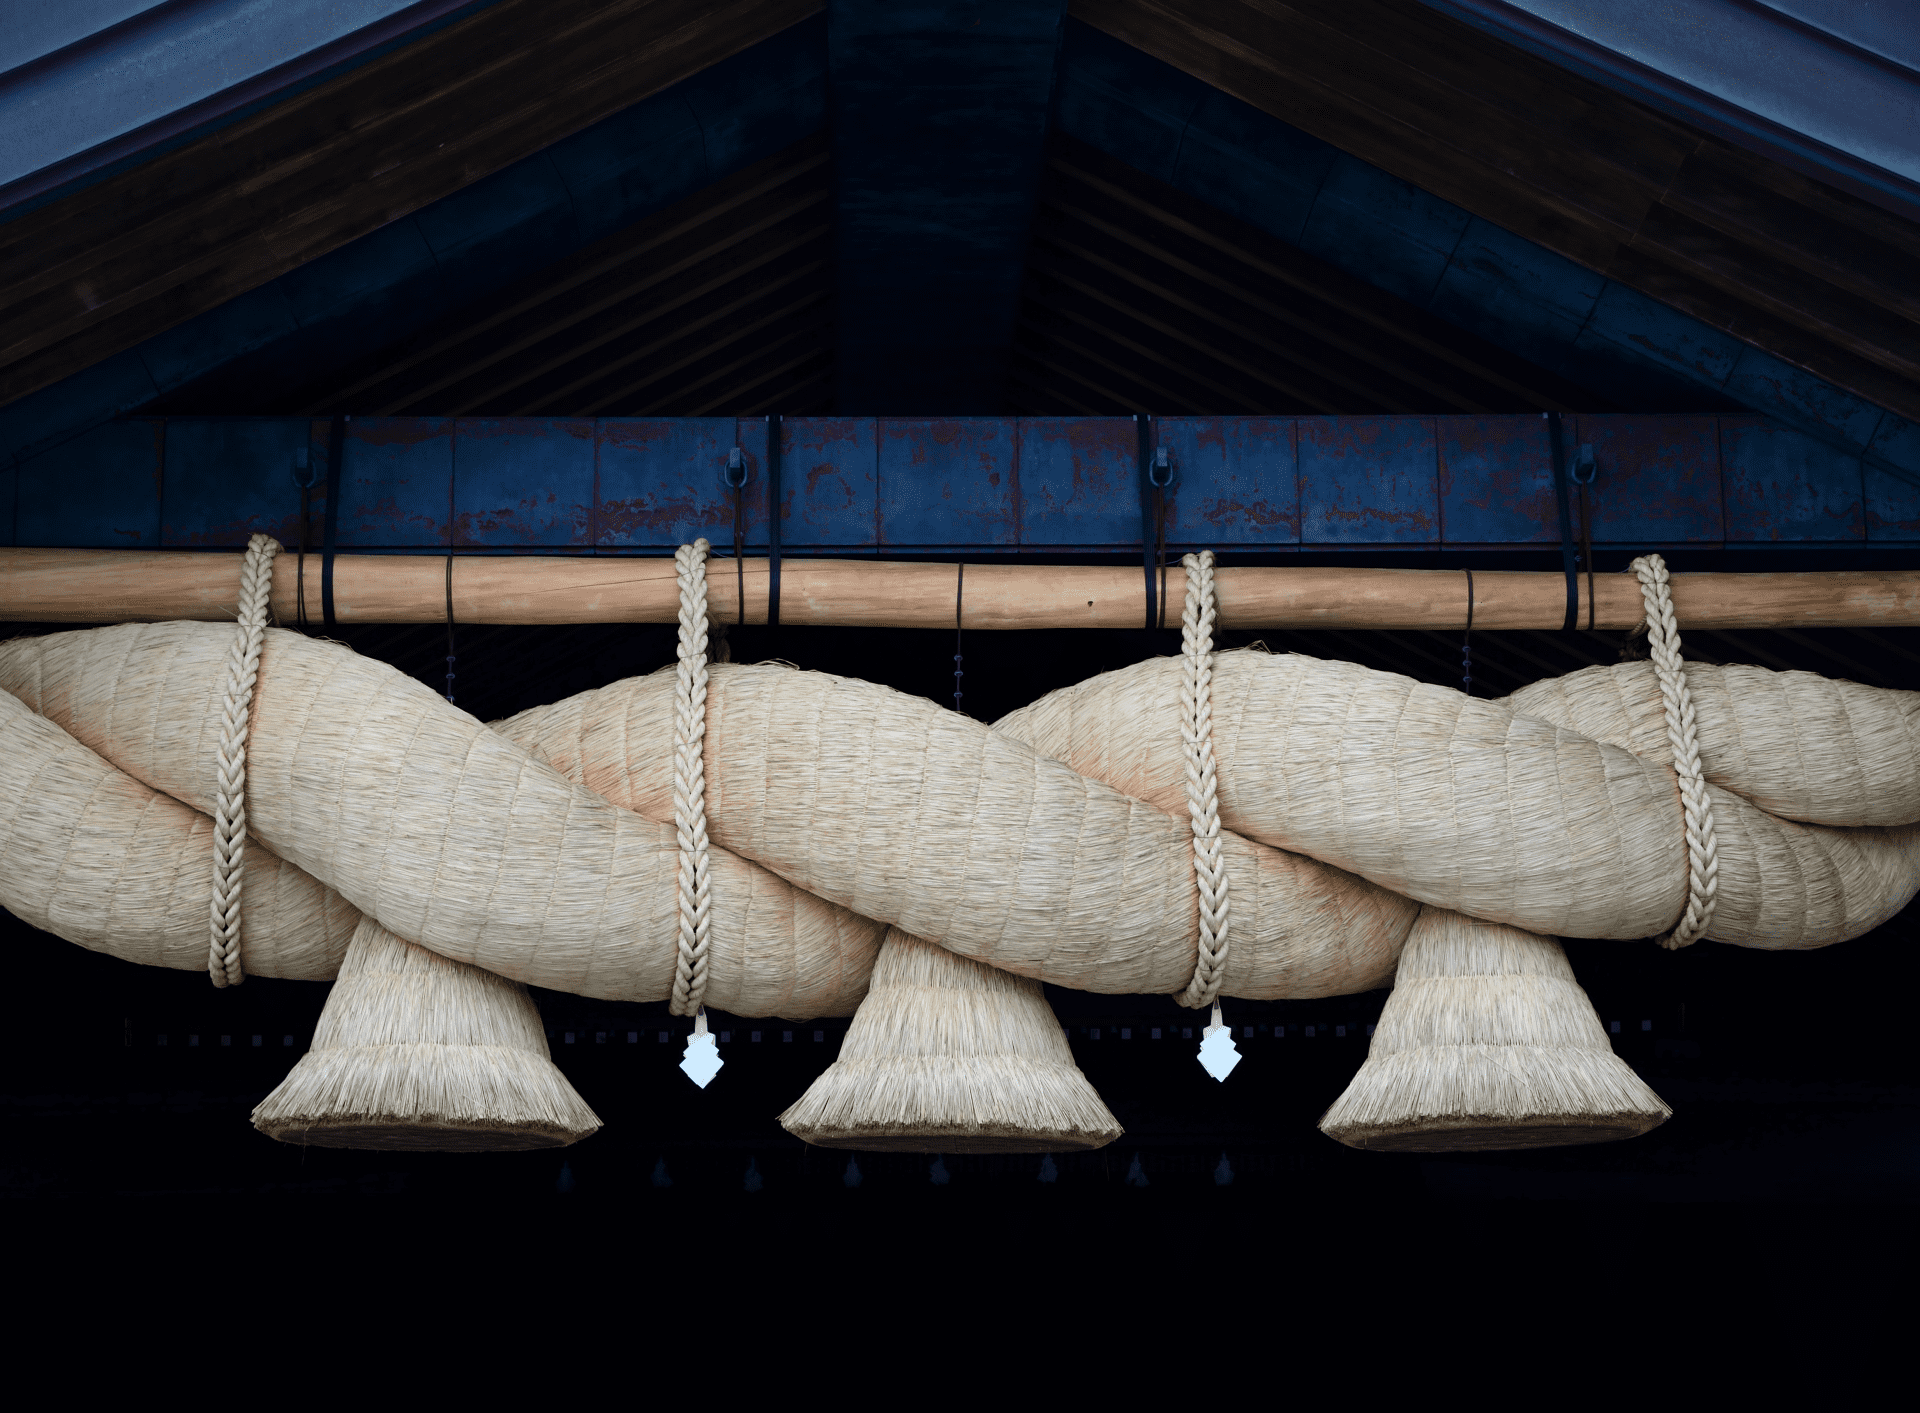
x=399 y=431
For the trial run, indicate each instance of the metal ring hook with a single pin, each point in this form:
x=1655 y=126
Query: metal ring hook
x=1160 y=469
x=734 y=473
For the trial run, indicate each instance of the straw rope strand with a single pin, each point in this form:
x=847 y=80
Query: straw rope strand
x=1703 y=857
x=690 y=782
x=230 y=800
x=1203 y=793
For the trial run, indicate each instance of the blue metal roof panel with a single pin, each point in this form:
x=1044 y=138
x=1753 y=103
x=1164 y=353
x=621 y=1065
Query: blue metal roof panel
x=1832 y=87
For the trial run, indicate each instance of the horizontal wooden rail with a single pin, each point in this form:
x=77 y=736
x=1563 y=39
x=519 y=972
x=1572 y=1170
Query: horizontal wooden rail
x=110 y=586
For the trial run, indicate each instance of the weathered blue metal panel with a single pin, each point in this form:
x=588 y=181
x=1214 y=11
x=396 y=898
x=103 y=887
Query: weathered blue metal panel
x=523 y=484
x=948 y=481
x=1782 y=485
x=396 y=483
x=1657 y=479
x=225 y=481
x=1893 y=505
x=1236 y=481
x=829 y=481
x=975 y=486
x=1496 y=481
x=660 y=482
x=1368 y=481
x=100 y=490
x=1079 y=482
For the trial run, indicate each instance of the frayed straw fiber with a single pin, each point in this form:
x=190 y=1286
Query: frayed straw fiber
x=905 y=811
x=949 y=1056
x=1470 y=805
x=94 y=856
x=414 y=1051
x=423 y=819
x=1797 y=745
x=1488 y=1042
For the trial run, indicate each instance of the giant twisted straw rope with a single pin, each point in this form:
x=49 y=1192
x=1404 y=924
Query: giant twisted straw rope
x=230 y=803
x=1203 y=786
x=690 y=781
x=1703 y=855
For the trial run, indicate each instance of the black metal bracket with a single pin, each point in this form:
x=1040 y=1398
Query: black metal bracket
x=336 y=454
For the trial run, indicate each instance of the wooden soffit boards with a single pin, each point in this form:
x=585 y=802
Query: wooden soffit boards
x=1819 y=278
x=131 y=256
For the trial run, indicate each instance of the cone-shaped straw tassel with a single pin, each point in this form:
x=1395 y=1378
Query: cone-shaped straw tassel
x=414 y=1051
x=1488 y=1042
x=946 y=1055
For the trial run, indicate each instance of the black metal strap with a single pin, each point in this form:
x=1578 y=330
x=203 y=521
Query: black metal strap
x=959 y=660
x=735 y=475
x=773 y=522
x=336 y=453
x=1569 y=557
x=1466 y=643
x=1156 y=476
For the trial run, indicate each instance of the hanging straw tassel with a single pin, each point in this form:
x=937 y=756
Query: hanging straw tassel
x=948 y=1055
x=1488 y=1042
x=414 y=1051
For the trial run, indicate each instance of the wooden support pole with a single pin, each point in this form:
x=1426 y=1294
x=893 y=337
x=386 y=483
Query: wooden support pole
x=111 y=586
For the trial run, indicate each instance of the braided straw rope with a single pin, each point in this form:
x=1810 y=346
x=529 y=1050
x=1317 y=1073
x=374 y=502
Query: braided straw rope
x=230 y=801
x=1703 y=855
x=1203 y=791
x=690 y=781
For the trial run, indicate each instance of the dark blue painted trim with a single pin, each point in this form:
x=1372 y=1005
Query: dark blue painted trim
x=1763 y=67
x=976 y=486
x=158 y=49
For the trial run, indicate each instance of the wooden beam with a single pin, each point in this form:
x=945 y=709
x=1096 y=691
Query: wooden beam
x=108 y=586
x=1816 y=276
x=131 y=256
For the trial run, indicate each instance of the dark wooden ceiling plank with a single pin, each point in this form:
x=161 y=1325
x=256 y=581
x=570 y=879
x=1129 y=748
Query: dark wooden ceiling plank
x=559 y=333
x=783 y=183
x=1334 y=86
x=1288 y=370
x=286 y=170
x=733 y=306
x=1364 y=352
x=1684 y=288
x=691 y=378
x=1861 y=324
x=736 y=318
x=309 y=209
x=1184 y=280
x=1237 y=386
x=1792 y=219
x=1360 y=304
x=1313 y=64
x=1151 y=390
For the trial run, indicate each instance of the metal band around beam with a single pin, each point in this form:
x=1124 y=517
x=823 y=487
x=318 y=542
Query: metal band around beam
x=110 y=586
